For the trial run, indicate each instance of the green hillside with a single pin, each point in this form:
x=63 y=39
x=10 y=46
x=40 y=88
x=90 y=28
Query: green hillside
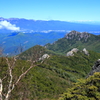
x=29 y=78
x=78 y=40
x=34 y=53
x=49 y=79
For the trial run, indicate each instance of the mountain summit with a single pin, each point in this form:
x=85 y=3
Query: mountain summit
x=77 y=35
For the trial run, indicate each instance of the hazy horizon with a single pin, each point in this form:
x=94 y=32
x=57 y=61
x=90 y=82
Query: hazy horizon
x=63 y=10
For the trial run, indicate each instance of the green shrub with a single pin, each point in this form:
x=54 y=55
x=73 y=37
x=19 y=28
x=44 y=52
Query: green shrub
x=84 y=89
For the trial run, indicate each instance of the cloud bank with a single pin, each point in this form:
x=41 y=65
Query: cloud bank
x=7 y=25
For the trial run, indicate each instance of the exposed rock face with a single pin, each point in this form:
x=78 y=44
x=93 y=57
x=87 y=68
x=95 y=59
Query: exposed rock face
x=85 y=51
x=95 y=68
x=75 y=50
x=45 y=56
x=71 y=53
x=78 y=35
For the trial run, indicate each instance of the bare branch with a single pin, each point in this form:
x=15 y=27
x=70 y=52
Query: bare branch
x=24 y=73
x=11 y=85
x=4 y=77
x=11 y=82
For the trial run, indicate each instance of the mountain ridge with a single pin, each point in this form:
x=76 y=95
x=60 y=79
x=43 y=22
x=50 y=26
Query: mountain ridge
x=75 y=39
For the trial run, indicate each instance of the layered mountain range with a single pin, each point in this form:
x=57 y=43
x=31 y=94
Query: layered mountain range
x=15 y=32
x=59 y=42
x=11 y=42
x=29 y=25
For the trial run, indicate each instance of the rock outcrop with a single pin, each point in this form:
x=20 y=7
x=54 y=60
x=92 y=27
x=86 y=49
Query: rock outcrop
x=85 y=51
x=95 y=68
x=75 y=50
x=45 y=56
x=71 y=53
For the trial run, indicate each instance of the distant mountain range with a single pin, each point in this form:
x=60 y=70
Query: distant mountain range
x=25 y=25
x=13 y=42
x=59 y=42
x=15 y=32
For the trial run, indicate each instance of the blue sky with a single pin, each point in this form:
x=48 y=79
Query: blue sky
x=65 y=10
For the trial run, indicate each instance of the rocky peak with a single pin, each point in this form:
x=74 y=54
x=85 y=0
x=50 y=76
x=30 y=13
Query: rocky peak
x=77 y=35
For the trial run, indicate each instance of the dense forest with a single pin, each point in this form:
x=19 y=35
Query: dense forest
x=40 y=73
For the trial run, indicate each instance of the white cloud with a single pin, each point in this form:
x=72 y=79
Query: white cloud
x=80 y=20
x=7 y=25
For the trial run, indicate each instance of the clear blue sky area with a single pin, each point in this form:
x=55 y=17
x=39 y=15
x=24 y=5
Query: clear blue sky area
x=65 y=10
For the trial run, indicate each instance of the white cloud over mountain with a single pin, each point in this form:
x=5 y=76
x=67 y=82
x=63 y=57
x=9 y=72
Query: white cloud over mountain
x=7 y=25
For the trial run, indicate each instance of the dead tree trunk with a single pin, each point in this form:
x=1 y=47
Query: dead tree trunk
x=11 y=82
x=1 y=88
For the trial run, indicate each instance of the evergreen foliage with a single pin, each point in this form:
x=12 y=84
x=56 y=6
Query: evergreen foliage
x=84 y=89
x=49 y=79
